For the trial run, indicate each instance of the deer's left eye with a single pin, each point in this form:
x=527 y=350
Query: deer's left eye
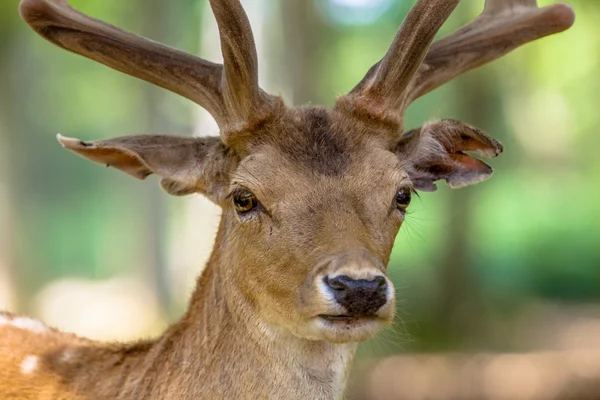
x=403 y=198
x=244 y=202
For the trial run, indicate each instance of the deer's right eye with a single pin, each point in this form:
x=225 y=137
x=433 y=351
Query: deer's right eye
x=244 y=201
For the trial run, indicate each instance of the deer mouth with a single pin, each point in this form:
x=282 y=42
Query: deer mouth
x=338 y=326
x=345 y=328
x=348 y=319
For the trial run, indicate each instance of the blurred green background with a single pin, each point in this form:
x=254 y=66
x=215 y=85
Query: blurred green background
x=512 y=264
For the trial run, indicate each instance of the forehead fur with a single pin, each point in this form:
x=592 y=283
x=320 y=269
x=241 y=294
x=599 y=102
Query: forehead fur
x=314 y=140
x=319 y=139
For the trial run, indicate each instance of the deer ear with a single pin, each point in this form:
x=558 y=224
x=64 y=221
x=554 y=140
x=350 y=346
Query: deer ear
x=437 y=151
x=185 y=164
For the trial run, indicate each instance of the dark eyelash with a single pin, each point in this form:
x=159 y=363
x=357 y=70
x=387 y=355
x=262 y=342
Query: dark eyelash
x=235 y=190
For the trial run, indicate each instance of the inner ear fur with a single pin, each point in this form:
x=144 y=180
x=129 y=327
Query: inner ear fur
x=185 y=164
x=437 y=151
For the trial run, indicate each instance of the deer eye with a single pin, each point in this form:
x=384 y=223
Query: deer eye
x=403 y=199
x=244 y=201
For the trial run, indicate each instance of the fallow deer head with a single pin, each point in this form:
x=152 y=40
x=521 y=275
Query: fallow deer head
x=312 y=197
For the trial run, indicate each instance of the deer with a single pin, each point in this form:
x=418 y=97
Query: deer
x=312 y=199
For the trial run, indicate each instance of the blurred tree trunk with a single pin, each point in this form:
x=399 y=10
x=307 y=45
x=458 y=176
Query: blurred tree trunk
x=460 y=306
x=303 y=33
x=158 y=19
x=7 y=204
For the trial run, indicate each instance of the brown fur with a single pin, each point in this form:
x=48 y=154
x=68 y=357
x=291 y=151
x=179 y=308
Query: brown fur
x=325 y=182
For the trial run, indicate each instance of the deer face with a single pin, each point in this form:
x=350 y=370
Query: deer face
x=311 y=220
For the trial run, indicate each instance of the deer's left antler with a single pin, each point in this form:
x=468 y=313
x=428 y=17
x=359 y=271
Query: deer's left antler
x=503 y=26
x=412 y=67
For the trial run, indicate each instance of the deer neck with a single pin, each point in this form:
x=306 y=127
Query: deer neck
x=221 y=348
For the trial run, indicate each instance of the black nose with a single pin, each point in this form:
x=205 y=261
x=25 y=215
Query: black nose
x=360 y=297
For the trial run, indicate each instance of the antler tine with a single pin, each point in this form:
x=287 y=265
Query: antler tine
x=174 y=70
x=242 y=94
x=503 y=26
x=387 y=81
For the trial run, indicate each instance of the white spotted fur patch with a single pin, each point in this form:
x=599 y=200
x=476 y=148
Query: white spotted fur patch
x=29 y=365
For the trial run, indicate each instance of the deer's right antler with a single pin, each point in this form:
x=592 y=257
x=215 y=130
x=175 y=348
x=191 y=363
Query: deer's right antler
x=229 y=92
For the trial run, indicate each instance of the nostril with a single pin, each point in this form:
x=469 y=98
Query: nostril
x=337 y=283
x=381 y=282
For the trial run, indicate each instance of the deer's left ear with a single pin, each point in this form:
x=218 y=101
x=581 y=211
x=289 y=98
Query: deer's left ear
x=185 y=164
x=437 y=151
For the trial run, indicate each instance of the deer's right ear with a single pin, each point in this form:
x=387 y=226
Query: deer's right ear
x=185 y=164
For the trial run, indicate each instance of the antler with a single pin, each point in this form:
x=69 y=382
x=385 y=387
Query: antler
x=230 y=93
x=240 y=60
x=503 y=26
x=387 y=81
